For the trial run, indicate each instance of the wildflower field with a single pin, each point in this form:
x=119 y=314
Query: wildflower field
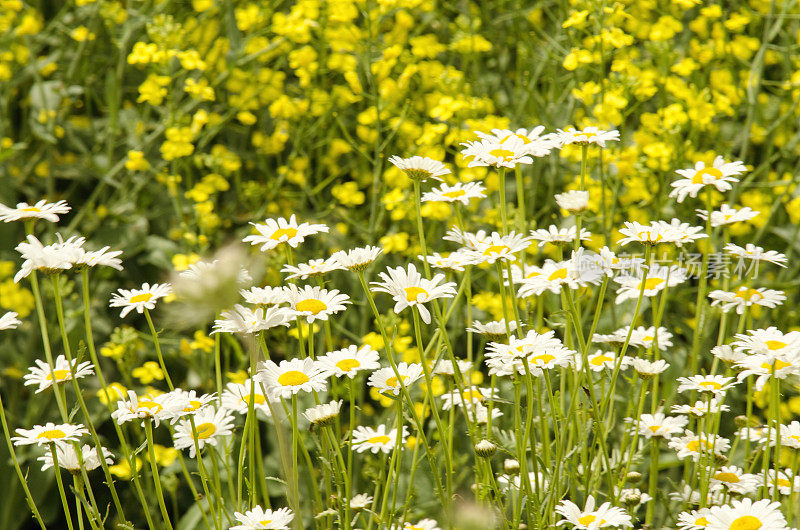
x=399 y=264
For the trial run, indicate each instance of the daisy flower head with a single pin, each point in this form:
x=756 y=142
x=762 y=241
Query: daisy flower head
x=49 y=211
x=767 y=341
x=745 y=514
x=786 y=482
x=658 y=278
x=105 y=257
x=420 y=168
x=612 y=263
x=532 y=343
x=202 y=270
x=68 y=458
x=646 y=337
x=422 y=524
x=315 y=303
x=194 y=401
x=260 y=519
x=139 y=299
x=409 y=289
x=680 y=233
x=459 y=192
x=559 y=236
x=574 y=273
x=693 y=520
x=790 y=435
x=657 y=425
x=323 y=414
x=375 y=440
x=209 y=426
x=242 y=319
x=744 y=297
x=236 y=397
x=734 y=479
x=498 y=247
x=157 y=408
x=727 y=215
x=51 y=259
x=347 y=362
x=602 y=360
x=726 y=354
x=455 y=261
x=720 y=175
x=651 y=234
x=587 y=135
x=470 y=396
x=767 y=366
x=715 y=384
x=757 y=254
x=649 y=369
x=470 y=240
x=701 y=408
x=264 y=295
x=360 y=502
x=495 y=153
x=357 y=259
x=291 y=377
x=44 y=375
x=534 y=142
x=494 y=330
x=445 y=367
x=385 y=379
x=9 y=321
x=273 y=232
x=41 y=435
x=573 y=201
x=590 y=517
x=692 y=445
x=314 y=268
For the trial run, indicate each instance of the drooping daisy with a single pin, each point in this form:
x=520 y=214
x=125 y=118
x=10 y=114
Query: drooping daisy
x=323 y=414
x=573 y=201
x=157 y=408
x=534 y=142
x=43 y=374
x=692 y=445
x=9 y=321
x=236 y=397
x=68 y=458
x=587 y=135
x=758 y=254
x=315 y=303
x=49 y=211
x=139 y=299
x=357 y=259
x=727 y=215
x=273 y=232
x=494 y=330
x=649 y=369
x=374 y=440
x=658 y=278
x=385 y=379
x=209 y=426
x=57 y=257
x=784 y=480
x=720 y=175
x=715 y=384
x=745 y=514
x=658 y=425
x=744 y=297
x=291 y=377
x=42 y=435
x=498 y=247
x=701 y=408
x=603 y=516
x=242 y=319
x=460 y=192
x=105 y=257
x=260 y=519
x=559 y=236
x=735 y=479
x=420 y=167
x=726 y=354
x=694 y=520
x=347 y=362
x=315 y=267
x=409 y=289
x=264 y=295
x=494 y=153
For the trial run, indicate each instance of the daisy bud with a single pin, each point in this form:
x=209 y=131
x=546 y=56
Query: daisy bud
x=633 y=477
x=485 y=449
x=511 y=466
x=741 y=422
x=631 y=498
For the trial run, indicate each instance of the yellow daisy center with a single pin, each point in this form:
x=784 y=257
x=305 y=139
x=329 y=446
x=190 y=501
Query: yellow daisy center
x=281 y=232
x=51 y=434
x=312 y=305
x=710 y=171
x=206 y=430
x=194 y=404
x=31 y=209
x=654 y=428
x=783 y=483
x=694 y=445
x=60 y=375
x=600 y=359
x=778 y=365
x=746 y=522
x=542 y=359
x=558 y=274
x=495 y=249
x=727 y=477
x=470 y=395
x=151 y=406
x=651 y=283
x=775 y=344
x=748 y=294
x=379 y=440
x=648 y=236
x=454 y=194
x=265 y=522
x=711 y=385
x=393 y=382
x=257 y=398
x=144 y=297
x=345 y=365
x=292 y=378
x=501 y=153
x=701 y=521
x=413 y=292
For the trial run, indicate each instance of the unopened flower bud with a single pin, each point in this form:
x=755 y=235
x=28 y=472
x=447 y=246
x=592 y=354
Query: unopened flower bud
x=511 y=466
x=633 y=477
x=485 y=448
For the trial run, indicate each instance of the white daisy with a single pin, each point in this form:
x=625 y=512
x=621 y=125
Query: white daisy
x=315 y=303
x=58 y=257
x=658 y=425
x=716 y=384
x=785 y=480
x=194 y=401
x=291 y=376
x=768 y=365
x=648 y=369
x=459 y=192
x=357 y=259
x=420 y=167
x=49 y=211
x=602 y=360
x=260 y=519
x=767 y=341
x=157 y=408
x=494 y=153
x=727 y=215
x=495 y=329
x=209 y=424
x=498 y=247
x=694 y=520
x=701 y=408
x=41 y=435
x=323 y=414
x=588 y=135
x=692 y=446
x=534 y=142
x=409 y=289
x=236 y=397
x=139 y=299
x=315 y=267
x=744 y=297
x=360 y=501
x=374 y=440
x=385 y=379
x=681 y=233
x=422 y=524
x=347 y=362
x=658 y=278
x=573 y=201
x=735 y=480
x=68 y=458
x=559 y=236
x=745 y=514
x=470 y=396
x=43 y=374
x=603 y=516
x=720 y=175
x=652 y=234
x=264 y=295
x=455 y=261
x=273 y=232
x=758 y=254
x=98 y=258
x=242 y=319
x=9 y=321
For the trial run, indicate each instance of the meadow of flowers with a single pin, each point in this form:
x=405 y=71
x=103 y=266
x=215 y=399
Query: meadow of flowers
x=387 y=264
